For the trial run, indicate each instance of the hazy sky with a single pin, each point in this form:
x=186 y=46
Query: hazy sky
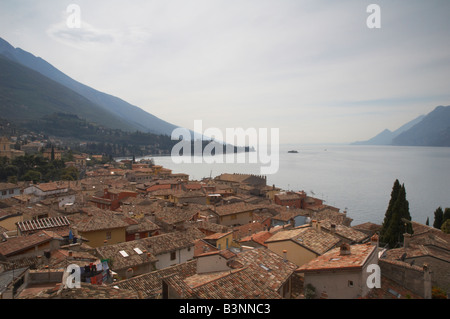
x=313 y=69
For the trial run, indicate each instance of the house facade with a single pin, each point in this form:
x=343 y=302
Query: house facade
x=8 y=190
x=234 y=214
x=343 y=272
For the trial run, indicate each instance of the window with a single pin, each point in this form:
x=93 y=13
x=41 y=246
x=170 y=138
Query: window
x=173 y=255
x=233 y=216
x=108 y=235
x=350 y=283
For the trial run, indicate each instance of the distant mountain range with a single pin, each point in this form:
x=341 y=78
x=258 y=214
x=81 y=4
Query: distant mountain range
x=30 y=88
x=432 y=129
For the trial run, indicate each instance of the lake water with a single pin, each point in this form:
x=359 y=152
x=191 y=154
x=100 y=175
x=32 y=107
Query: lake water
x=357 y=179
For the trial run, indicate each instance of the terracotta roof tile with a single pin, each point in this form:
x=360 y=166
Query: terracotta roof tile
x=317 y=241
x=333 y=260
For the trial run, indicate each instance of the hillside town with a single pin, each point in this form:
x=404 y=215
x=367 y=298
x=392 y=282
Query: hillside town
x=136 y=230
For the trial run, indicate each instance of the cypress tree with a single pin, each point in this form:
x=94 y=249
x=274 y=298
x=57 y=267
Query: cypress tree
x=387 y=217
x=446 y=215
x=438 y=218
x=395 y=224
x=405 y=212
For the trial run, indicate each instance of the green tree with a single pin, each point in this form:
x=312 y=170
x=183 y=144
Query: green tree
x=397 y=224
x=70 y=174
x=446 y=214
x=446 y=226
x=438 y=218
x=388 y=215
x=32 y=175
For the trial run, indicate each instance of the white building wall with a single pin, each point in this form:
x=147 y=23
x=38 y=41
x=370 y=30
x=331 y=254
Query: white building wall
x=181 y=256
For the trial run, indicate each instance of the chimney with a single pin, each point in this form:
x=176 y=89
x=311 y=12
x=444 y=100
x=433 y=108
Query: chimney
x=314 y=224
x=345 y=249
x=70 y=253
x=333 y=229
x=319 y=228
x=374 y=240
x=39 y=261
x=406 y=240
x=285 y=255
x=75 y=231
x=129 y=273
x=427 y=281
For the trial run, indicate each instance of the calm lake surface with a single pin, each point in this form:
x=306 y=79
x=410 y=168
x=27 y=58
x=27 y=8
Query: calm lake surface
x=358 y=179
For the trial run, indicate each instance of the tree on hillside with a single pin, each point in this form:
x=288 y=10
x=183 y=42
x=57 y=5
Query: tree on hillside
x=394 y=225
x=438 y=218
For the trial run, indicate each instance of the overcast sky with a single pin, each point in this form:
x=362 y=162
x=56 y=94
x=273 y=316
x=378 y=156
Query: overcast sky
x=313 y=69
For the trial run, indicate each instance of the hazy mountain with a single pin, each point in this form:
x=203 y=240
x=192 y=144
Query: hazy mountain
x=27 y=95
x=432 y=130
x=387 y=136
x=134 y=117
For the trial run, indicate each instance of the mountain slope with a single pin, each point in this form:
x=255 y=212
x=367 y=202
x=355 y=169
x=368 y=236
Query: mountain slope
x=433 y=130
x=27 y=95
x=387 y=136
x=135 y=117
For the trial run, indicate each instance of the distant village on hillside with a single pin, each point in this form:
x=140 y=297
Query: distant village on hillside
x=136 y=230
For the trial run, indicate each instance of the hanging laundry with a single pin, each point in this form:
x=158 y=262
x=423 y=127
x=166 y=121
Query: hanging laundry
x=99 y=279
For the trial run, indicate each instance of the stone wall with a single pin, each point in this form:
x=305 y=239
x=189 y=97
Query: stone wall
x=413 y=278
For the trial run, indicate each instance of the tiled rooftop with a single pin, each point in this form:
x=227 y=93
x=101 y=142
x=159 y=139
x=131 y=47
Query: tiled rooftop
x=261 y=274
x=346 y=232
x=172 y=241
x=95 y=219
x=235 y=208
x=317 y=241
x=333 y=260
x=18 y=244
x=127 y=254
x=150 y=285
x=87 y=291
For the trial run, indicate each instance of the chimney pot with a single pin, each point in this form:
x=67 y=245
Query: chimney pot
x=406 y=239
x=345 y=249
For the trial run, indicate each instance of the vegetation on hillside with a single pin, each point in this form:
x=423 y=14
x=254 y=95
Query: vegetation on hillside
x=35 y=168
